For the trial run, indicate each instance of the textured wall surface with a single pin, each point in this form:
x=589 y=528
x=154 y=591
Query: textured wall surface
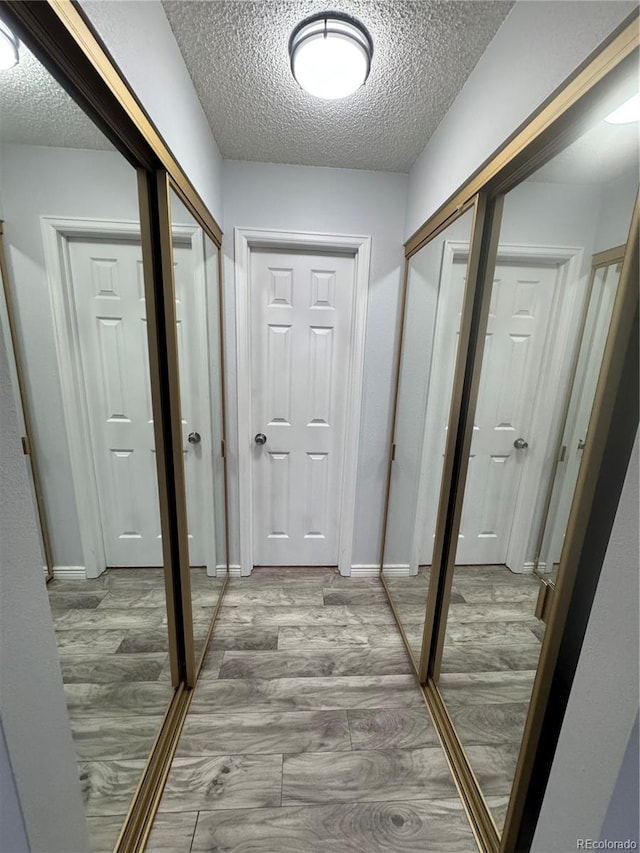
x=32 y=705
x=238 y=58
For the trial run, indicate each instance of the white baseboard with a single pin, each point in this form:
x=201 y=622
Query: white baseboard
x=527 y=568
x=235 y=571
x=398 y=571
x=69 y=573
x=365 y=570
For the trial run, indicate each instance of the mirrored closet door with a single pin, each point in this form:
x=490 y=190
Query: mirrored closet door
x=544 y=296
x=435 y=289
x=196 y=282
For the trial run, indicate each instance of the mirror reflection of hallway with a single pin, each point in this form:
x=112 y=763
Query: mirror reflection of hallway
x=75 y=288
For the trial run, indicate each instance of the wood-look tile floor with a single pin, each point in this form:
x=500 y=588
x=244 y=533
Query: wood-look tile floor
x=113 y=648
x=492 y=648
x=307 y=731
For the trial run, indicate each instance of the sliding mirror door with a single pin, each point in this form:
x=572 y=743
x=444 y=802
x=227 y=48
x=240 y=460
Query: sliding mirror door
x=434 y=295
x=200 y=353
x=76 y=292
x=542 y=321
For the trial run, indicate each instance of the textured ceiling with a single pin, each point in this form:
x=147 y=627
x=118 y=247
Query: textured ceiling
x=35 y=110
x=236 y=53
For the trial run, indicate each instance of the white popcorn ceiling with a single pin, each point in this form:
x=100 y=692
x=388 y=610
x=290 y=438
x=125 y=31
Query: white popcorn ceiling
x=36 y=110
x=236 y=53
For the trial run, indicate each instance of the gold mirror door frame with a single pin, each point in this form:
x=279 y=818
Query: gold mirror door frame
x=477 y=206
x=562 y=120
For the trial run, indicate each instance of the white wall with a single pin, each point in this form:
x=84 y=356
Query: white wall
x=32 y=705
x=604 y=698
x=141 y=42
x=39 y=181
x=302 y=198
x=536 y=48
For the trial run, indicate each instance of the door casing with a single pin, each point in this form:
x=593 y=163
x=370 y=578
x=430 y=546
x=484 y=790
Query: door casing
x=245 y=239
x=56 y=232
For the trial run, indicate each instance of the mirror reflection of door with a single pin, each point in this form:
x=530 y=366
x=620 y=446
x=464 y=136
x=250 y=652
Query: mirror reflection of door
x=604 y=285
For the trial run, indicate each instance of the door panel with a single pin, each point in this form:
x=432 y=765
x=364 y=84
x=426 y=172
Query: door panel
x=301 y=319
x=517 y=333
x=111 y=316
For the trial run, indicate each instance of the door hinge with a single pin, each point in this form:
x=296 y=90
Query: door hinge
x=26 y=445
x=393 y=452
x=222 y=448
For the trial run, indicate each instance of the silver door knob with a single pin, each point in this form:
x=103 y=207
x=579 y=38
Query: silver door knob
x=194 y=438
x=261 y=438
x=520 y=444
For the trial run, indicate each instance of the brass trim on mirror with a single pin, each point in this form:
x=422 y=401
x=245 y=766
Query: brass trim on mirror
x=482 y=824
x=173 y=434
x=482 y=250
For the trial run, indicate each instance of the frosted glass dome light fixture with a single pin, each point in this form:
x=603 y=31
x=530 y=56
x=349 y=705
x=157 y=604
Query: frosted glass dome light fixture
x=330 y=55
x=9 y=53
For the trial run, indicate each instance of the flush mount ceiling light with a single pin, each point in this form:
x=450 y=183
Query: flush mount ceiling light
x=627 y=112
x=330 y=55
x=9 y=55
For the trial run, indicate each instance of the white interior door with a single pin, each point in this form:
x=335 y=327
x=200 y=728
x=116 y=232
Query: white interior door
x=517 y=337
x=517 y=333
x=301 y=310
x=108 y=289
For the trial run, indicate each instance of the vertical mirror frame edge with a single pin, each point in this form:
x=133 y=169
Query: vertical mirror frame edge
x=173 y=426
x=216 y=238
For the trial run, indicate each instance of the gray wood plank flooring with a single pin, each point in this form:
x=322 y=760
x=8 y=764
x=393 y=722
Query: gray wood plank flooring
x=307 y=731
x=310 y=732
x=113 y=647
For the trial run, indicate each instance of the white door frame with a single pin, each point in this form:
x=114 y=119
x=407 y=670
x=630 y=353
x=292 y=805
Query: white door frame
x=245 y=240
x=554 y=376
x=56 y=232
